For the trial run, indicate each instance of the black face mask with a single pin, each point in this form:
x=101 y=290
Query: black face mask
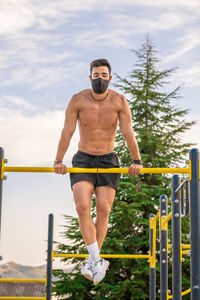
x=99 y=85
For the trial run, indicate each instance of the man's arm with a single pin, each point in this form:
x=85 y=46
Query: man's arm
x=125 y=122
x=71 y=116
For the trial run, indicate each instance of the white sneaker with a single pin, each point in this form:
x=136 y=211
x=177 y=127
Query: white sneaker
x=86 y=270
x=99 y=270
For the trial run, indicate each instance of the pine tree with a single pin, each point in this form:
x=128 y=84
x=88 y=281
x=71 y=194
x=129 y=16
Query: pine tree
x=158 y=125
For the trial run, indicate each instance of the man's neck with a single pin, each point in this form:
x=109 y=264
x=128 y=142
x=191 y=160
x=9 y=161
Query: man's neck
x=99 y=97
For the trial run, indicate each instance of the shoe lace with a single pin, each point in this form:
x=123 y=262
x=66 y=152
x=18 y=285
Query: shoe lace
x=97 y=261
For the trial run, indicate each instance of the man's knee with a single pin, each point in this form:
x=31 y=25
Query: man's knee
x=103 y=211
x=83 y=208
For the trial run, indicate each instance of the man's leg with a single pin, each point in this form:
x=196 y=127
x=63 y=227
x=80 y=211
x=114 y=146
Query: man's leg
x=95 y=268
x=104 y=199
x=82 y=192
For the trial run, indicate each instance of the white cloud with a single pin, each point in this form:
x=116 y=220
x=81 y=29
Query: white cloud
x=48 y=14
x=186 y=44
x=167 y=3
x=17 y=102
x=187 y=75
x=15 y=16
x=33 y=140
x=161 y=20
x=192 y=135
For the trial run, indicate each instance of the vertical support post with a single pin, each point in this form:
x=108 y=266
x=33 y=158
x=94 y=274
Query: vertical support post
x=187 y=204
x=163 y=250
x=182 y=201
x=195 y=224
x=49 y=257
x=176 y=240
x=152 y=271
x=1 y=182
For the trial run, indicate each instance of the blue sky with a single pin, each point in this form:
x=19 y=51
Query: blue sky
x=45 y=51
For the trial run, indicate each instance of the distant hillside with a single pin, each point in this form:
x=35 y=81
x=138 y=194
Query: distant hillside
x=13 y=270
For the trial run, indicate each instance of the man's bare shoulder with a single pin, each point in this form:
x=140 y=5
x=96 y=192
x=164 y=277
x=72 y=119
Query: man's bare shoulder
x=83 y=93
x=78 y=97
x=117 y=97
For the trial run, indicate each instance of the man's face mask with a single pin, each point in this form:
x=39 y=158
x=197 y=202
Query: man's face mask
x=99 y=85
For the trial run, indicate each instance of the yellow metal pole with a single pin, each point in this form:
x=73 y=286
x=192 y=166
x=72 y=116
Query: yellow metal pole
x=186 y=292
x=22 y=298
x=186 y=246
x=21 y=280
x=166 y=219
x=100 y=170
x=104 y=255
x=157 y=216
x=185 y=252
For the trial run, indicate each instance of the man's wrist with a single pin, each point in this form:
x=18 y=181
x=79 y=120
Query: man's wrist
x=137 y=162
x=58 y=161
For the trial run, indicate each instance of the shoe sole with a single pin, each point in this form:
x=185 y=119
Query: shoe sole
x=87 y=276
x=97 y=282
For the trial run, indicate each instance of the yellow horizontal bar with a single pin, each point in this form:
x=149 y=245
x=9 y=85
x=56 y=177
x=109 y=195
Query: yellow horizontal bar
x=100 y=170
x=186 y=246
x=185 y=251
x=23 y=298
x=103 y=255
x=167 y=218
x=21 y=280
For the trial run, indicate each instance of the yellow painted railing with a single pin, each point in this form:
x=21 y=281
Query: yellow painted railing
x=22 y=298
x=103 y=255
x=21 y=280
x=100 y=170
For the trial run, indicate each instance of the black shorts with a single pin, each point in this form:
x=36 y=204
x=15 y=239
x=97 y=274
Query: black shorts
x=85 y=160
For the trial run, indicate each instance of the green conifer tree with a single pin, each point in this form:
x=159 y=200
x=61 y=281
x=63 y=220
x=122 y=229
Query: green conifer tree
x=158 y=125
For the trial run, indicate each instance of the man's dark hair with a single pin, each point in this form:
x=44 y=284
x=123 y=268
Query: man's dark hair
x=100 y=62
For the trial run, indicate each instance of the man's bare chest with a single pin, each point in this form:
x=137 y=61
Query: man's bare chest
x=97 y=115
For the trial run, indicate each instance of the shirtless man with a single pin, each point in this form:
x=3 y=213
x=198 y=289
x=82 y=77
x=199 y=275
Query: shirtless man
x=97 y=111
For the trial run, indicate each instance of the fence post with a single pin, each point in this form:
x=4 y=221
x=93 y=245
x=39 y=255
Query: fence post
x=176 y=240
x=195 y=223
x=49 y=257
x=1 y=182
x=163 y=250
x=152 y=271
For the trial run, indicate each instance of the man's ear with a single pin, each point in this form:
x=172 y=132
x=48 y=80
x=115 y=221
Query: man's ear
x=90 y=77
x=110 y=78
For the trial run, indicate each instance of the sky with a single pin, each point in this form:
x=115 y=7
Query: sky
x=45 y=51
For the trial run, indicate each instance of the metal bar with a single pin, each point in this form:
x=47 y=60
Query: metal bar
x=152 y=271
x=186 y=246
x=166 y=220
x=157 y=216
x=183 y=293
x=186 y=292
x=104 y=255
x=100 y=170
x=49 y=257
x=185 y=251
x=176 y=240
x=187 y=202
x=180 y=186
x=22 y=298
x=195 y=225
x=163 y=250
x=182 y=201
x=21 y=280
x=1 y=182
